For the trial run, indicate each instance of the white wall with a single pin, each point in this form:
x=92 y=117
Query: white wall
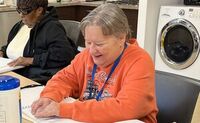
x=7 y=20
x=147 y=22
x=11 y=3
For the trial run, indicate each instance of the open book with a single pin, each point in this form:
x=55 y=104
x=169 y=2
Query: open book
x=4 y=67
x=28 y=95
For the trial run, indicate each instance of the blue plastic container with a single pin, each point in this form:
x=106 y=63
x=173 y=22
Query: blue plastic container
x=10 y=102
x=8 y=83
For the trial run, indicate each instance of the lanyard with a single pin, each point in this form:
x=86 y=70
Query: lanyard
x=112 y=70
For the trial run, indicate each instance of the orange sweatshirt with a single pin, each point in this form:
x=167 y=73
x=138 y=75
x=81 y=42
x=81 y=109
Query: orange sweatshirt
x=129 y=93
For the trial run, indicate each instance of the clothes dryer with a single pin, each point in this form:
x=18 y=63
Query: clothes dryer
x=178 y=41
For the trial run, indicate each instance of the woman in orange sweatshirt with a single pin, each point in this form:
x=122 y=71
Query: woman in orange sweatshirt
x=112 y=79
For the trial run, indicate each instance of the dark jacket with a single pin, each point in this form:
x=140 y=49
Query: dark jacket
x=48 y=45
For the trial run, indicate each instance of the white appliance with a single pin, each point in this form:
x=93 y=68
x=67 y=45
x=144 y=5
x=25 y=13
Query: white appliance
x=178 y=41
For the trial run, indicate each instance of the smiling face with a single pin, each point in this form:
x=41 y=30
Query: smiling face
x=104 y=49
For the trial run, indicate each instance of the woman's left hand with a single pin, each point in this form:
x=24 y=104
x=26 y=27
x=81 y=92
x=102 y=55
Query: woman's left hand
x=23 y=61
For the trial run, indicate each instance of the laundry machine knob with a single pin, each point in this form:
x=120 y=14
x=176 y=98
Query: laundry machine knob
x=181 y=12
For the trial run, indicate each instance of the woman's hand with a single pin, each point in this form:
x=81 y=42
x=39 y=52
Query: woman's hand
x=45 y=107
x=23 y=61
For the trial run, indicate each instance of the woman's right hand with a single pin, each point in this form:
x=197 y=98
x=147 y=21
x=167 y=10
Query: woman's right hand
x=24 y=61
x=45 y=107
x=1 y=54
x=39 y=104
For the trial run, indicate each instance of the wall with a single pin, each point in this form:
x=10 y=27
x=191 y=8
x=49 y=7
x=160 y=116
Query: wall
x=7 y=20
x=11 y=3
x=147 y=22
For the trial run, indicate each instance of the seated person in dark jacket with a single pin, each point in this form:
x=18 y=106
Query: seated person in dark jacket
x=38 y=42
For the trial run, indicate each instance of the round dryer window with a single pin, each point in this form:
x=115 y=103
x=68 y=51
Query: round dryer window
x=179 y=44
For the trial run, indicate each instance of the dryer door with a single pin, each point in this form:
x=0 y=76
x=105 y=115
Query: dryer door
x=179 y=44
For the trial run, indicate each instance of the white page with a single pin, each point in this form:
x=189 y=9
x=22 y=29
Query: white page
x=28 y=95
x=4 y=67
x=130 y=121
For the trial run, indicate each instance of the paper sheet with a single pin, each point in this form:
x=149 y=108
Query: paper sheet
x=130 y=121
x=28 y=95
x=4 y=67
